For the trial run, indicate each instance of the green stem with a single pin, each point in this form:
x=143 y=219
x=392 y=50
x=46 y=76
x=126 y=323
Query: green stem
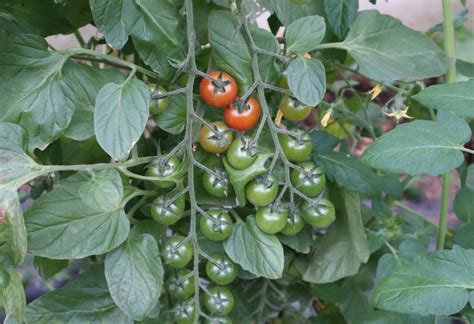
x=450 y=78
x=79 y=38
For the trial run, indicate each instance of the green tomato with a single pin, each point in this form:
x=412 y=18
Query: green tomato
x=283 y=83
x=216 y=227
x=294 y=110
x=217 y=184
x=166 y=169
x=310 y=181
x=296 y=149
x=178 y=287
x=320 y=215
x=158 y=106
x=4 y=278
x=262 y=191
x=294 y=224
x=219 y=301
x=219 y=320
x=177 y=254
x=167 y=212
x=238 y=156
x=185 y=312
x=223 y=272
x=215 y=143
x=271 y=221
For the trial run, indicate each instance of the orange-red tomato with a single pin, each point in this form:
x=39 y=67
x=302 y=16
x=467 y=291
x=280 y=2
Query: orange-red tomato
x=244 y=119
x=218 y=94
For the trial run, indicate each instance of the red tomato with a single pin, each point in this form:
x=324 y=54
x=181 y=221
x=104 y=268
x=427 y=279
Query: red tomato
x=244 y=119
x=215 y=94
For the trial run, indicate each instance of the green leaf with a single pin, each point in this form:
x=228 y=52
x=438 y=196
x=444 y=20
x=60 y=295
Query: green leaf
x=344 y=247
x=456 y=98
x=288 y=12
x=348 y=172
x=47 y=268
x=304 y=34
x=62 y=226
x=323 y=141
x=307 y=80
x=83 y=300
x=120 y=116
x=300 y=242
x=134 y=273
x=435 y=284
x=387 y=50
x=14 y=301
x=466 y=68
x=464 y=205
x=240 y=178
x=173 y=119
x=463 y=236
x=412 y=147
x=255 y=251
x=103 y=191
x=340 y=14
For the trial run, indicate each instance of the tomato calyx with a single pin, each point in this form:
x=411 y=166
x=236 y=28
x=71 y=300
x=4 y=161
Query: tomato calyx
x=219 y=84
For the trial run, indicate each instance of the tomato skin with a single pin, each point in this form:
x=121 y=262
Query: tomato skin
x=158 y=106
x=245 y=119
x=211 y=143
x=219 y=301
x=319 y=216
x=294 y=224
x=177 y=257
x=238 y=156
x=222 y=273
x=296 y=150
x=4 y=278
x=214 y=97
x=311 y=181
x=217 y=185
x=219 y=320
x=163 y=169
x=218 y=227
x=293 y=110
x=167 y=213
x=177 y=287
x=261 y=192
x=271 y=221
x=185 y=312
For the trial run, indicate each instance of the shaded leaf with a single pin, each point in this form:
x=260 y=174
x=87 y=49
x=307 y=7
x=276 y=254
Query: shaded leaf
x=173 y=119
x=340 y=14
x=47 y=268
x=14 y=301
x=307 y=80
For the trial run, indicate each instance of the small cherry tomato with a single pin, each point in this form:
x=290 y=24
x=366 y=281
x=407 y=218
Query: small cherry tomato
x=242 y=116
x=262 y=191
x=294 y=224
x=185 y=312
x=165 y=169
x=217 y=184
x=219 y=92
x=219 y=301
x=320 y=215
x=271 y=221
x=223 y=272
x=4 y=278
x=166 y=212
x=160 y=105
x=310 y=181
x=215 y=142
x=177 y=254
x=296 y=149
x=180 y=285
x=239 y=155
x=294 y=110
x=216 y=227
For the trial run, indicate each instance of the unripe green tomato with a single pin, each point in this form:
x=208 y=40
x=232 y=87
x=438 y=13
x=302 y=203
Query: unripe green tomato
x=219 y=320
x=185 y=312
x=223 y=272
x=219 y=301
x=271 y=221
x=178 y=287
x=310 y=181
x=217 y=184
x=238 y=156
x=262 y=191
x=4 y=278
x=158 y=106
x=165 y=212
x=294 y=224
x=174 y=256
x=215 y=143
x=164 y=169
x=216 y=227
x=321 y=215
x=293 y=110
x=296 y=149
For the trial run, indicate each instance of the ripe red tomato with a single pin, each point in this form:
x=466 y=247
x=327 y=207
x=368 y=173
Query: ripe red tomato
x=244 y=119
x=218 y=94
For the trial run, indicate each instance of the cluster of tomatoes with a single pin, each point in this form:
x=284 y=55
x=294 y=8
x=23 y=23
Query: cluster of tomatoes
x=217 y=138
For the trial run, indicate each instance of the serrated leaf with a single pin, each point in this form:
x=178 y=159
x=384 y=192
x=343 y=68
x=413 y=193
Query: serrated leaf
x=288 y=12
x=134 y=273
x=456 y=98
x=47 y=268
x=14 y=301
x=304 y=34
x=173 y=119
x=300 y=242
x=103 y=191
x=255 y=251
x=412 y=147
x=340 y=14
x=387 y=50
x=307 y=80
x=61 y=226
x=120 y=115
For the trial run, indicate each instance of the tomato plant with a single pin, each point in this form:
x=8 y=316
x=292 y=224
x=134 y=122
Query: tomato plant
x=121 y=181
